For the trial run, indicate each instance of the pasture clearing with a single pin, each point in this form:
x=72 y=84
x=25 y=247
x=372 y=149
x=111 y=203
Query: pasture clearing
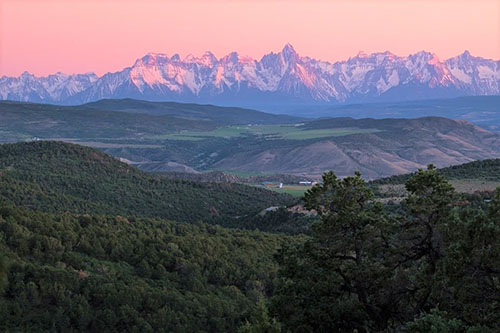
x=294 y=190
x=270 y=132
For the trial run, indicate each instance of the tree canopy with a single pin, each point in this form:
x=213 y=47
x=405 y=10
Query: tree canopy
x=366 y=269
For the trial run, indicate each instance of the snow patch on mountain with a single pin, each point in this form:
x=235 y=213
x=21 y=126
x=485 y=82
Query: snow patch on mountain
x=284 y=75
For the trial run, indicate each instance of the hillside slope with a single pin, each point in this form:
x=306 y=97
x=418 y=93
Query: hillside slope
x=477 y=180
x=59 y=177
x=20 y=121
x=399 y=146
x=70 y=268
x=120 y=119
x=103 y=273
x=480 y=110
x=217 y=114
x=487 y=170
x=190 y=138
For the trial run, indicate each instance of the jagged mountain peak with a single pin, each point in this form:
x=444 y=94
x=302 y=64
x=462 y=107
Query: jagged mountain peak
x=465 y=54
x=209 y=57
x=153 y=59
x=362 y=54
x=277 y=77
x=289 y=54
x=466 y=57
x=387 y=54
x=26 y=74
x=288 y=49
x=176 y=57
x=235 y=57
x=421 y=56
x=231 y=57
x=209 y=54
x=376 y=57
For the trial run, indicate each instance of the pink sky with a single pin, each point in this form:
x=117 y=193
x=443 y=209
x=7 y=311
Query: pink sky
x=73 y=36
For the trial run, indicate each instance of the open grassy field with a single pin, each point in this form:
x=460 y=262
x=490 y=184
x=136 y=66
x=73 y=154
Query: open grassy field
x=97 y=144
x=12 y=136
x=245 y=174
x=291 y=132
x=295 y=190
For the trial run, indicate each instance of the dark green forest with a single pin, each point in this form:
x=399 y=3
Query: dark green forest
x=60 y=177
x=90 y=244
x=100 y=273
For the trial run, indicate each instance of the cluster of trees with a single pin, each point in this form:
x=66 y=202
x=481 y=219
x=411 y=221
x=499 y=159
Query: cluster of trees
x=102 y=273
x=431 y=265
x=280 y=220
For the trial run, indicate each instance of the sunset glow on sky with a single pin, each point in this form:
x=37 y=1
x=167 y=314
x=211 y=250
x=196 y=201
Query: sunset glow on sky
x=45 y=37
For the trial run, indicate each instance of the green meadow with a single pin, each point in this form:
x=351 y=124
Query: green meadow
x=294 y=190
x=290 y=132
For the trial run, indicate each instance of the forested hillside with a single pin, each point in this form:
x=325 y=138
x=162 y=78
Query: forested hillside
x=483 y=170
x=66 y=266
x=60 y=177
x=72 y=272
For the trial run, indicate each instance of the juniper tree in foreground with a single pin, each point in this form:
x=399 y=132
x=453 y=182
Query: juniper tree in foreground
x=366 y=270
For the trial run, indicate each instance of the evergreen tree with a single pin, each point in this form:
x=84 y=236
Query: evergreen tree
x=369 y=271
x=339 y=280
x=3 y=271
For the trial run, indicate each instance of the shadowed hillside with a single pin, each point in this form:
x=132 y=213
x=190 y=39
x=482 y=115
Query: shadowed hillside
x=59 y=177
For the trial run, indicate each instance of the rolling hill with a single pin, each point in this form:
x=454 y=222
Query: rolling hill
x=487 y=170
x=84 y=246
x=480 y=178
x=60 y=177
x=104 y=119
x=480 y=110
x=177 y=137
x=218 y=114
x=394 y=146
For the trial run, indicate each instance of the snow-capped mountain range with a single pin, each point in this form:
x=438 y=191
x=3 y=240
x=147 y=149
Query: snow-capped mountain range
x=283 y=77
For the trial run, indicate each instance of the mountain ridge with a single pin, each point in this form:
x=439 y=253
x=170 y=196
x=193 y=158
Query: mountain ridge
x=172 y=137
x=284 y=77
